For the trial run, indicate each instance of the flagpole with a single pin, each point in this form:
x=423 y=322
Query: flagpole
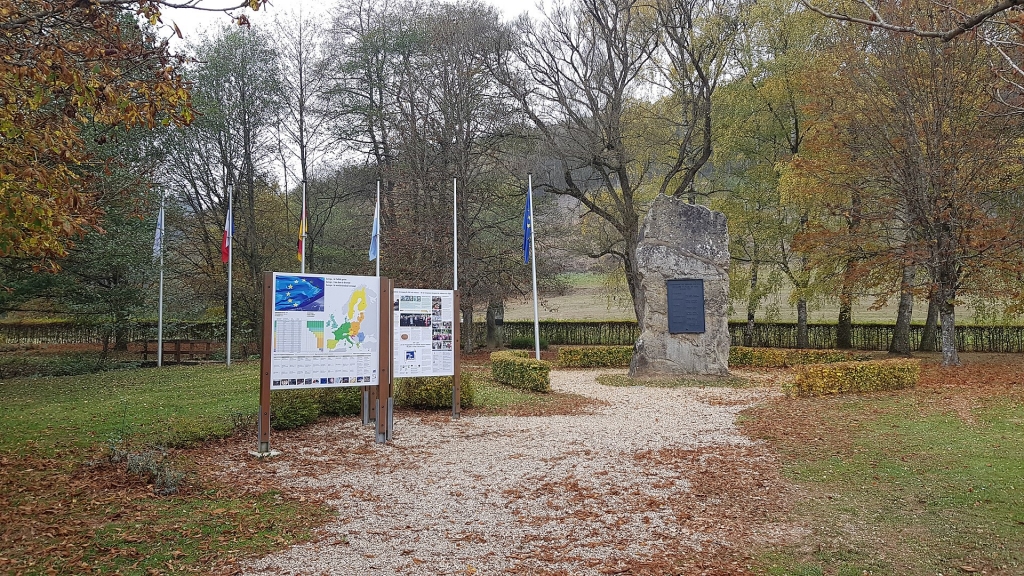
x=377 y=215
x=455 y=232
x=160 y=298
x=231 y=253
x=533 y=260
x=302 y=223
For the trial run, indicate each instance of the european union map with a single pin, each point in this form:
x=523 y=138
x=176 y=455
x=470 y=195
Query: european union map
x=326 y=331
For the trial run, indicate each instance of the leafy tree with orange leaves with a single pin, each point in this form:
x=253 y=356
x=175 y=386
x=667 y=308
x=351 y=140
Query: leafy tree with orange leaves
x=67 y=65
x=909 y=124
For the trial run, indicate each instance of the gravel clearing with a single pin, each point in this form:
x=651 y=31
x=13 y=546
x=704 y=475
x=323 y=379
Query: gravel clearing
x=606 y=491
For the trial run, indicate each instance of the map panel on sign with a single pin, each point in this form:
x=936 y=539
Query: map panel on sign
x=326 y=331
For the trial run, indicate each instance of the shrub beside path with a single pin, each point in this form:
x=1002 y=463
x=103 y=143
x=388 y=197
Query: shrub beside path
x=649 y=481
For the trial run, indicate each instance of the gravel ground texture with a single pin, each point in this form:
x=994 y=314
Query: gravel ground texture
x=648 y=481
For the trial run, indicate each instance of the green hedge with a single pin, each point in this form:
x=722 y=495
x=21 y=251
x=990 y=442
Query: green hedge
x=434 y=392
x=740 y=356
x=843 y=377
x=339 y=401
x=595 y=356
x=527 y=343
x=293 y=408
x=511 y=369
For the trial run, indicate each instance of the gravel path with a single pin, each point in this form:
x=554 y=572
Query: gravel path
x=481 y=495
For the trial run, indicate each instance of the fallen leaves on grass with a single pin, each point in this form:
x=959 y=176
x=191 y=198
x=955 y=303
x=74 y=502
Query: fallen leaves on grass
x=59 y=515
x=734 y=500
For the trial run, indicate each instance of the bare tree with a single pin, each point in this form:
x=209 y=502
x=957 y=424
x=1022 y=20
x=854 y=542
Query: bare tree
x=237 y=86
x=593 y=74
x=411 y=78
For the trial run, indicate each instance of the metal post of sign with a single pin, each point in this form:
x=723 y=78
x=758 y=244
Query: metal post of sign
x=384 y=412
x=263 y=426
x=371 y=413
x=457 y=352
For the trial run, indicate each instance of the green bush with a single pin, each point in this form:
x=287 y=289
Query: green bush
x=434 y=392
x=594 y=356
x=339 y=401
x=741 y=356
x=293 y=408
x=843 y=377
x=527 y=344
x=510 y=369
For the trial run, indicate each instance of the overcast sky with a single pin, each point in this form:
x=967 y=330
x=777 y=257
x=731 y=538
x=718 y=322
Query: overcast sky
x=191 y=22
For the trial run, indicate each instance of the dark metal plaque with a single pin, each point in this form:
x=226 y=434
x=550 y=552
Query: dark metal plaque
x=685 y=306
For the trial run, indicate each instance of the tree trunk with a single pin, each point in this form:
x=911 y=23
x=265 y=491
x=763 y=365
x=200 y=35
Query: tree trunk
x=106 y=344
x=467 y=328
x=844 y=331
x=633 y=283
x=929 y=338
x=802 y=340
x=947 y=318
x=495 y=322
x=121 y=332
x=748 y=331
x=901 y=334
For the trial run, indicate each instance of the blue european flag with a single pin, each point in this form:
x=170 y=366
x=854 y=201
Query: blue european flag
x=527 y=227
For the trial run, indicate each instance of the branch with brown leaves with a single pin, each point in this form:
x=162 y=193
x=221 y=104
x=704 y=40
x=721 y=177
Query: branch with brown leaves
x=965 y=23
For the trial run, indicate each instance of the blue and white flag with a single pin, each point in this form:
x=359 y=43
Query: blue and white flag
x=527 y=226
x=375 y=236
x=159 y=240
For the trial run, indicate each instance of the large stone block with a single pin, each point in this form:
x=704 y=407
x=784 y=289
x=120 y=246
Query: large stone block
x=682 y=241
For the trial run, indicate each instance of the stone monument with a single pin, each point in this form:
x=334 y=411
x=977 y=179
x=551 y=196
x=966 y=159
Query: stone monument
x=683 y=267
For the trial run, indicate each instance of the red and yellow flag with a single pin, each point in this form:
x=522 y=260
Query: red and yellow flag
x=302 y=234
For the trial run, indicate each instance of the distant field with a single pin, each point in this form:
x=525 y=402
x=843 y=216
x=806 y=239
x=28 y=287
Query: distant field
x=588 y=298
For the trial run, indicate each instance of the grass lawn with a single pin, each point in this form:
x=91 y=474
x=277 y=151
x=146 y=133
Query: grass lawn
x=621 y=380
x=924 y=481
x=927 y=481
x=589 y=297
x=174 y=405
x=66 y=509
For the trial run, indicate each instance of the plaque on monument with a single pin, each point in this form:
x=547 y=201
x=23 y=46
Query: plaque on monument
x=685 y=306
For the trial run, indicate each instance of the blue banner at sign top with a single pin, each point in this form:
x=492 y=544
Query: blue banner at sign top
x=299 y=294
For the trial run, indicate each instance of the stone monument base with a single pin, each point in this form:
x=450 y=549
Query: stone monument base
x=680 y=241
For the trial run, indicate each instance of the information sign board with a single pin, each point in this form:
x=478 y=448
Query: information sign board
x=685 y=306
x=326 y=331
x=424 y=339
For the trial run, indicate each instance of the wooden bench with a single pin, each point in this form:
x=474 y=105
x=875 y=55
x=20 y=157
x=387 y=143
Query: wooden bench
x=177 y=350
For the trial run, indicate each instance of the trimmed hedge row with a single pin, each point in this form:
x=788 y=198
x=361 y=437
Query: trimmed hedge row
x=594 y=356
x=526 y=343
x=513 y=368
x=741 y=356
x=294 y=408
x=843 y=377
x=434 y=392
